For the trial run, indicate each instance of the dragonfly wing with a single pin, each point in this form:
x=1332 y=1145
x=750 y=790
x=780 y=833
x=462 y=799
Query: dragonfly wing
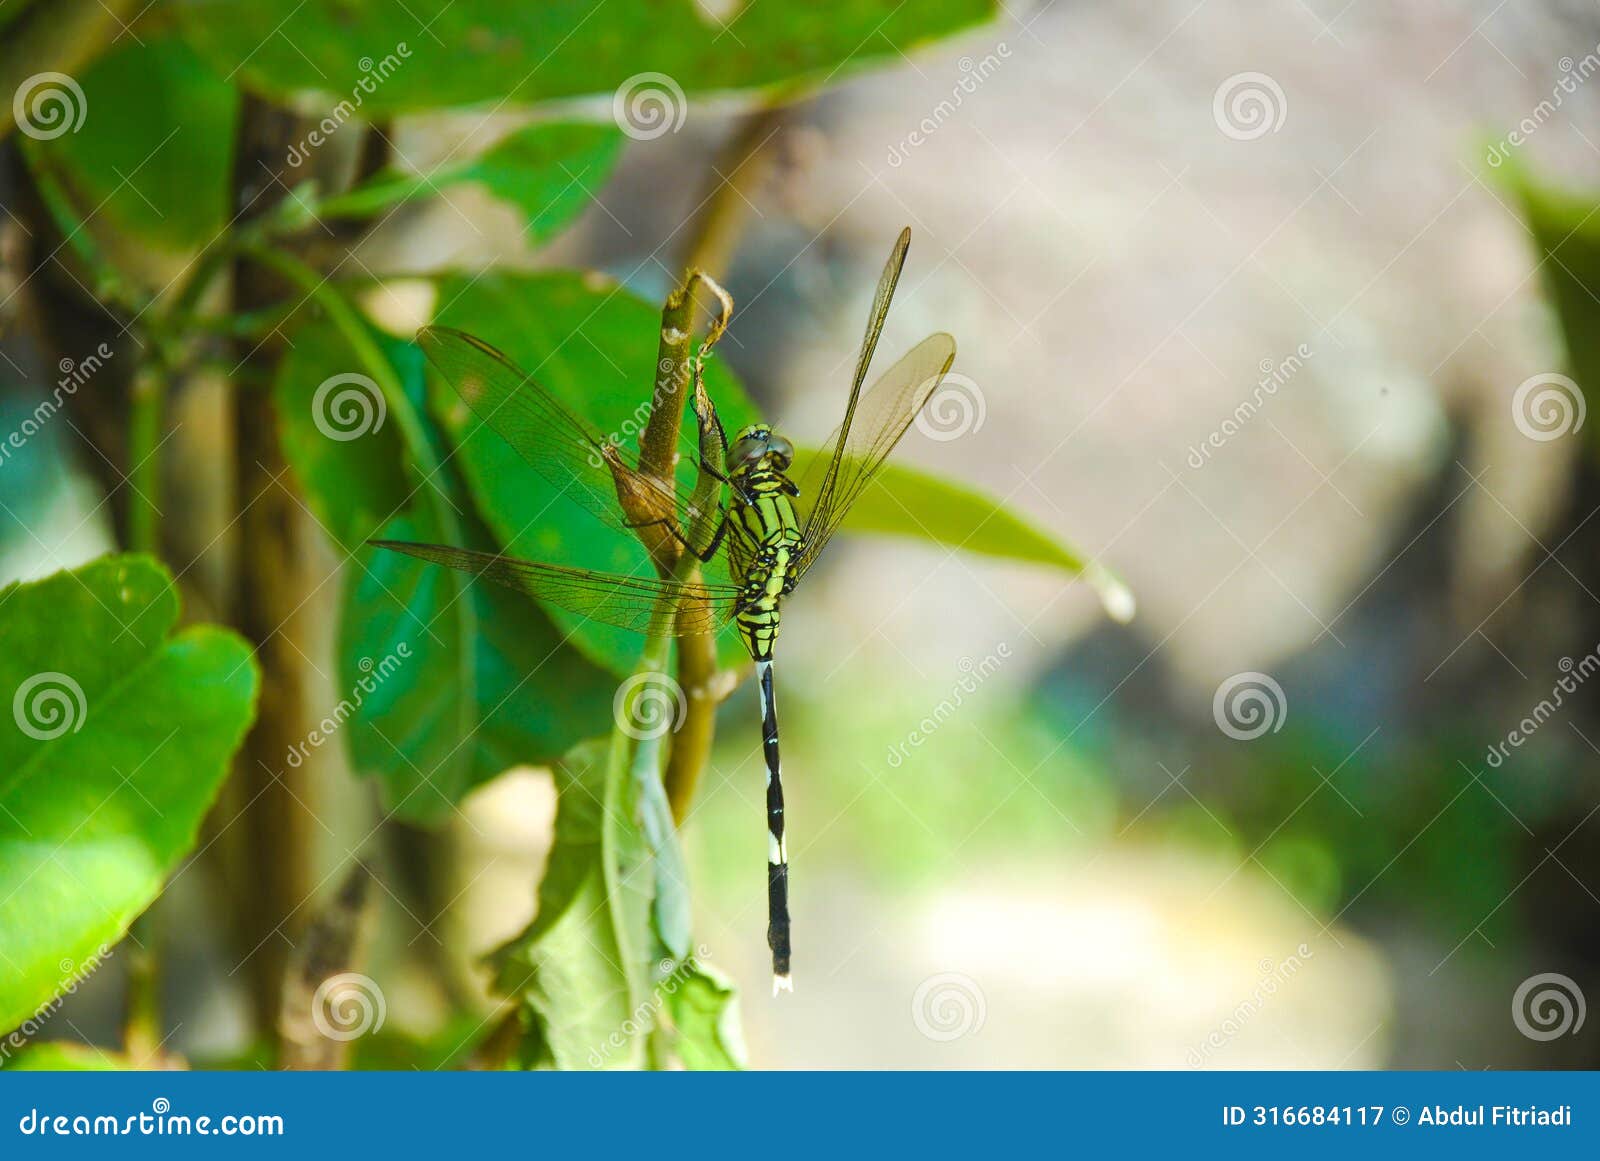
x=871 y=429
x=612 y=599
x=562 y=448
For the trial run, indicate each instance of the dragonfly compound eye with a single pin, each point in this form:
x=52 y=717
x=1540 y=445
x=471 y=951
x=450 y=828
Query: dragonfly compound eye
x=782 y=452
x=745 y=451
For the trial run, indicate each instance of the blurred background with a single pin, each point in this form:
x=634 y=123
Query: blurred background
x=1277 y=314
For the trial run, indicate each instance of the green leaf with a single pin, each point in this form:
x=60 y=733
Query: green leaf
x=118 y=741
x=334 y=428
x=568 y=966
x=592 y=345
x=548 y=171
x=468 y=699
x=153 y=156
x=65 y=1056
x=448 y=681
x=704 y=1008
x=906 y=502
x=492 y=50
x=1566 y=231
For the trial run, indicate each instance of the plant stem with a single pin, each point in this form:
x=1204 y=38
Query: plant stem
x=746 y=162
x=270 y=589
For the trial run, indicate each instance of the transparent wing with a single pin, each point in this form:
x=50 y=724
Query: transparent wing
x=871 y=429
x=558 y=445
x=869 y=343
x=627 y=602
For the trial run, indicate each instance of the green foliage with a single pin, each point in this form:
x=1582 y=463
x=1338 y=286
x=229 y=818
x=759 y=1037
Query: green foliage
x=568 y=967
x=154 y=155
x=445 y=682
x=550 y=172
x=905 y=502
x=592 y=345
x=495 y=51
x=119 y=738
x=1566 y=233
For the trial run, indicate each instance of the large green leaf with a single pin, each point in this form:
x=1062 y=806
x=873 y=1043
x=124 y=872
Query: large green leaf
x=568 y=967
x=705 y=1011
x=464 y=699
x=903 y=501
x=335 y=429
x=447 y=681
x=548 y=171
x=592 y=345
x=154 y=154
x=117 y=742
x=502 y=50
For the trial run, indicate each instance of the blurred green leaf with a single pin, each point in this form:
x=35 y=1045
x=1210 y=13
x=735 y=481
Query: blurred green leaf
x=548 y=171
x=568 y=967
x=65 y=1056
x=903 y=501
x=704 y=1008
x=1566 y=232
x=494 y=50
x=335 y=432
x=154 y=153
x=118 y=740
x=592 y=345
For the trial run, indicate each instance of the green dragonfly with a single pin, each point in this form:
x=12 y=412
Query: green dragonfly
x=771 y=528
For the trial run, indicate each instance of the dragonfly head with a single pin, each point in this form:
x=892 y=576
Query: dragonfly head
x=759 y=446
